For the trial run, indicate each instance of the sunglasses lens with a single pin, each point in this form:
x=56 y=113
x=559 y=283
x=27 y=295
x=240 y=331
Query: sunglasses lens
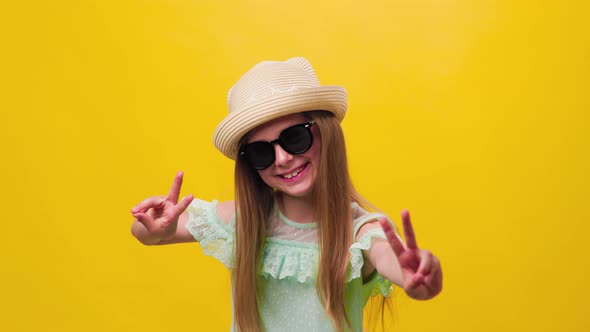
x=260 y=154
x=296 y=140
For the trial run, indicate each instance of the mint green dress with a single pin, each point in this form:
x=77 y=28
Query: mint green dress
x=289 y=300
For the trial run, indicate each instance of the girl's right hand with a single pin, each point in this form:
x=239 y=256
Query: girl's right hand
x=159 y=215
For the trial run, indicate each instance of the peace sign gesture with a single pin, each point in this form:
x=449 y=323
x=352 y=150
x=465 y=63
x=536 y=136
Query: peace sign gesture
x=159 y=215
x=421 y=271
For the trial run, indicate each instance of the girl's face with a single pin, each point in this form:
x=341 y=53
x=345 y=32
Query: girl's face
x=292 y=174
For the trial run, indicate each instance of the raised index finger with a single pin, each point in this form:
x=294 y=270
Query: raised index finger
x=409 y=230
x=175 y=189
x=394 y=241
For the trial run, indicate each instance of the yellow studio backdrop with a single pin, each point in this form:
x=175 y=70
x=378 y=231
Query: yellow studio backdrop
x=471 y=114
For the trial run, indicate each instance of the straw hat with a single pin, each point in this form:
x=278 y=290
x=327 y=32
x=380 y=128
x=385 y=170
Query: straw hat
x=272 y=89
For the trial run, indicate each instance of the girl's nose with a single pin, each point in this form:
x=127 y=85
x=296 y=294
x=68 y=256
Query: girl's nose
x=282 y=157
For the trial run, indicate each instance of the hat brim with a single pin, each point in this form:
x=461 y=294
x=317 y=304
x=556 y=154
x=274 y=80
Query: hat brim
x=237 y=124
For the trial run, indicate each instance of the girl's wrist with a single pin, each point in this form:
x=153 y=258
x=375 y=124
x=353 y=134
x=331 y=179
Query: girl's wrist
x=143 y=235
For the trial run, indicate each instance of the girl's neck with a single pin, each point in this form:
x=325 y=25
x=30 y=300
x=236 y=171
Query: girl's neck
x=298 y=209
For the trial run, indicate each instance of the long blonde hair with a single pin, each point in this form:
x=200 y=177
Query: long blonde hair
x=333 y=193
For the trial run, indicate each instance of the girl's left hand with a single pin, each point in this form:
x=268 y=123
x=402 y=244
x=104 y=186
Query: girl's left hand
x=421 y=271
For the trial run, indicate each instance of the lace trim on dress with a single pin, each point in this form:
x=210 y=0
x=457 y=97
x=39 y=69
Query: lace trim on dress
x=215 y=237
x=286 y=259
x=382 y=285
x=299 y=261
x=356 y=255
x=378 y=283
x=280 y=258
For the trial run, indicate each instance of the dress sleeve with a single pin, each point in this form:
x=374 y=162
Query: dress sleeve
x=377 y=283
x=215 y=237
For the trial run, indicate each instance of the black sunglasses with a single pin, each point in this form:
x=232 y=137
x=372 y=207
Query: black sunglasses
x=296 y=139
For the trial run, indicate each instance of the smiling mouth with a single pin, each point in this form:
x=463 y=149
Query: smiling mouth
x=295 y=173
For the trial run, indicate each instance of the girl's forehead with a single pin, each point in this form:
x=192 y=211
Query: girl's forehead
x=270 y=130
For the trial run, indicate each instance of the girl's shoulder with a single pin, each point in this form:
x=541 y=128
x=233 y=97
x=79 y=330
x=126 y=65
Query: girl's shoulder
x=211 y=211
x=226 y=211
x=359 y=213
x=363 y=219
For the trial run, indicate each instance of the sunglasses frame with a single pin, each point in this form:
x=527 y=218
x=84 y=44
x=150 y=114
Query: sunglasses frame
x=306 y=125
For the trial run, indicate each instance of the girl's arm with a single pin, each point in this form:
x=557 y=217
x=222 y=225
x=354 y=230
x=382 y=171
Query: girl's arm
x=417 y=271
x=380 y=257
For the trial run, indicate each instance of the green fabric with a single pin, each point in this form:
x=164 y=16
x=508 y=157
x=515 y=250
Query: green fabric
x=288 y=297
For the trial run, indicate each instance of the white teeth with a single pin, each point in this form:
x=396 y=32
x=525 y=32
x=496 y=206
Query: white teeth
x=295 y=173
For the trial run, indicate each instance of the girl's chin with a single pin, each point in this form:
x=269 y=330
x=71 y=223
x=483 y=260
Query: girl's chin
x=301 y=190
x=296 y=194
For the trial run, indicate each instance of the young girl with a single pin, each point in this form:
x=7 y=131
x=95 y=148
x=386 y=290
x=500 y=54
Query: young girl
x=304 y=253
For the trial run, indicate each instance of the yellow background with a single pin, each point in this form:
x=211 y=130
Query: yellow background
x=471 y=114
